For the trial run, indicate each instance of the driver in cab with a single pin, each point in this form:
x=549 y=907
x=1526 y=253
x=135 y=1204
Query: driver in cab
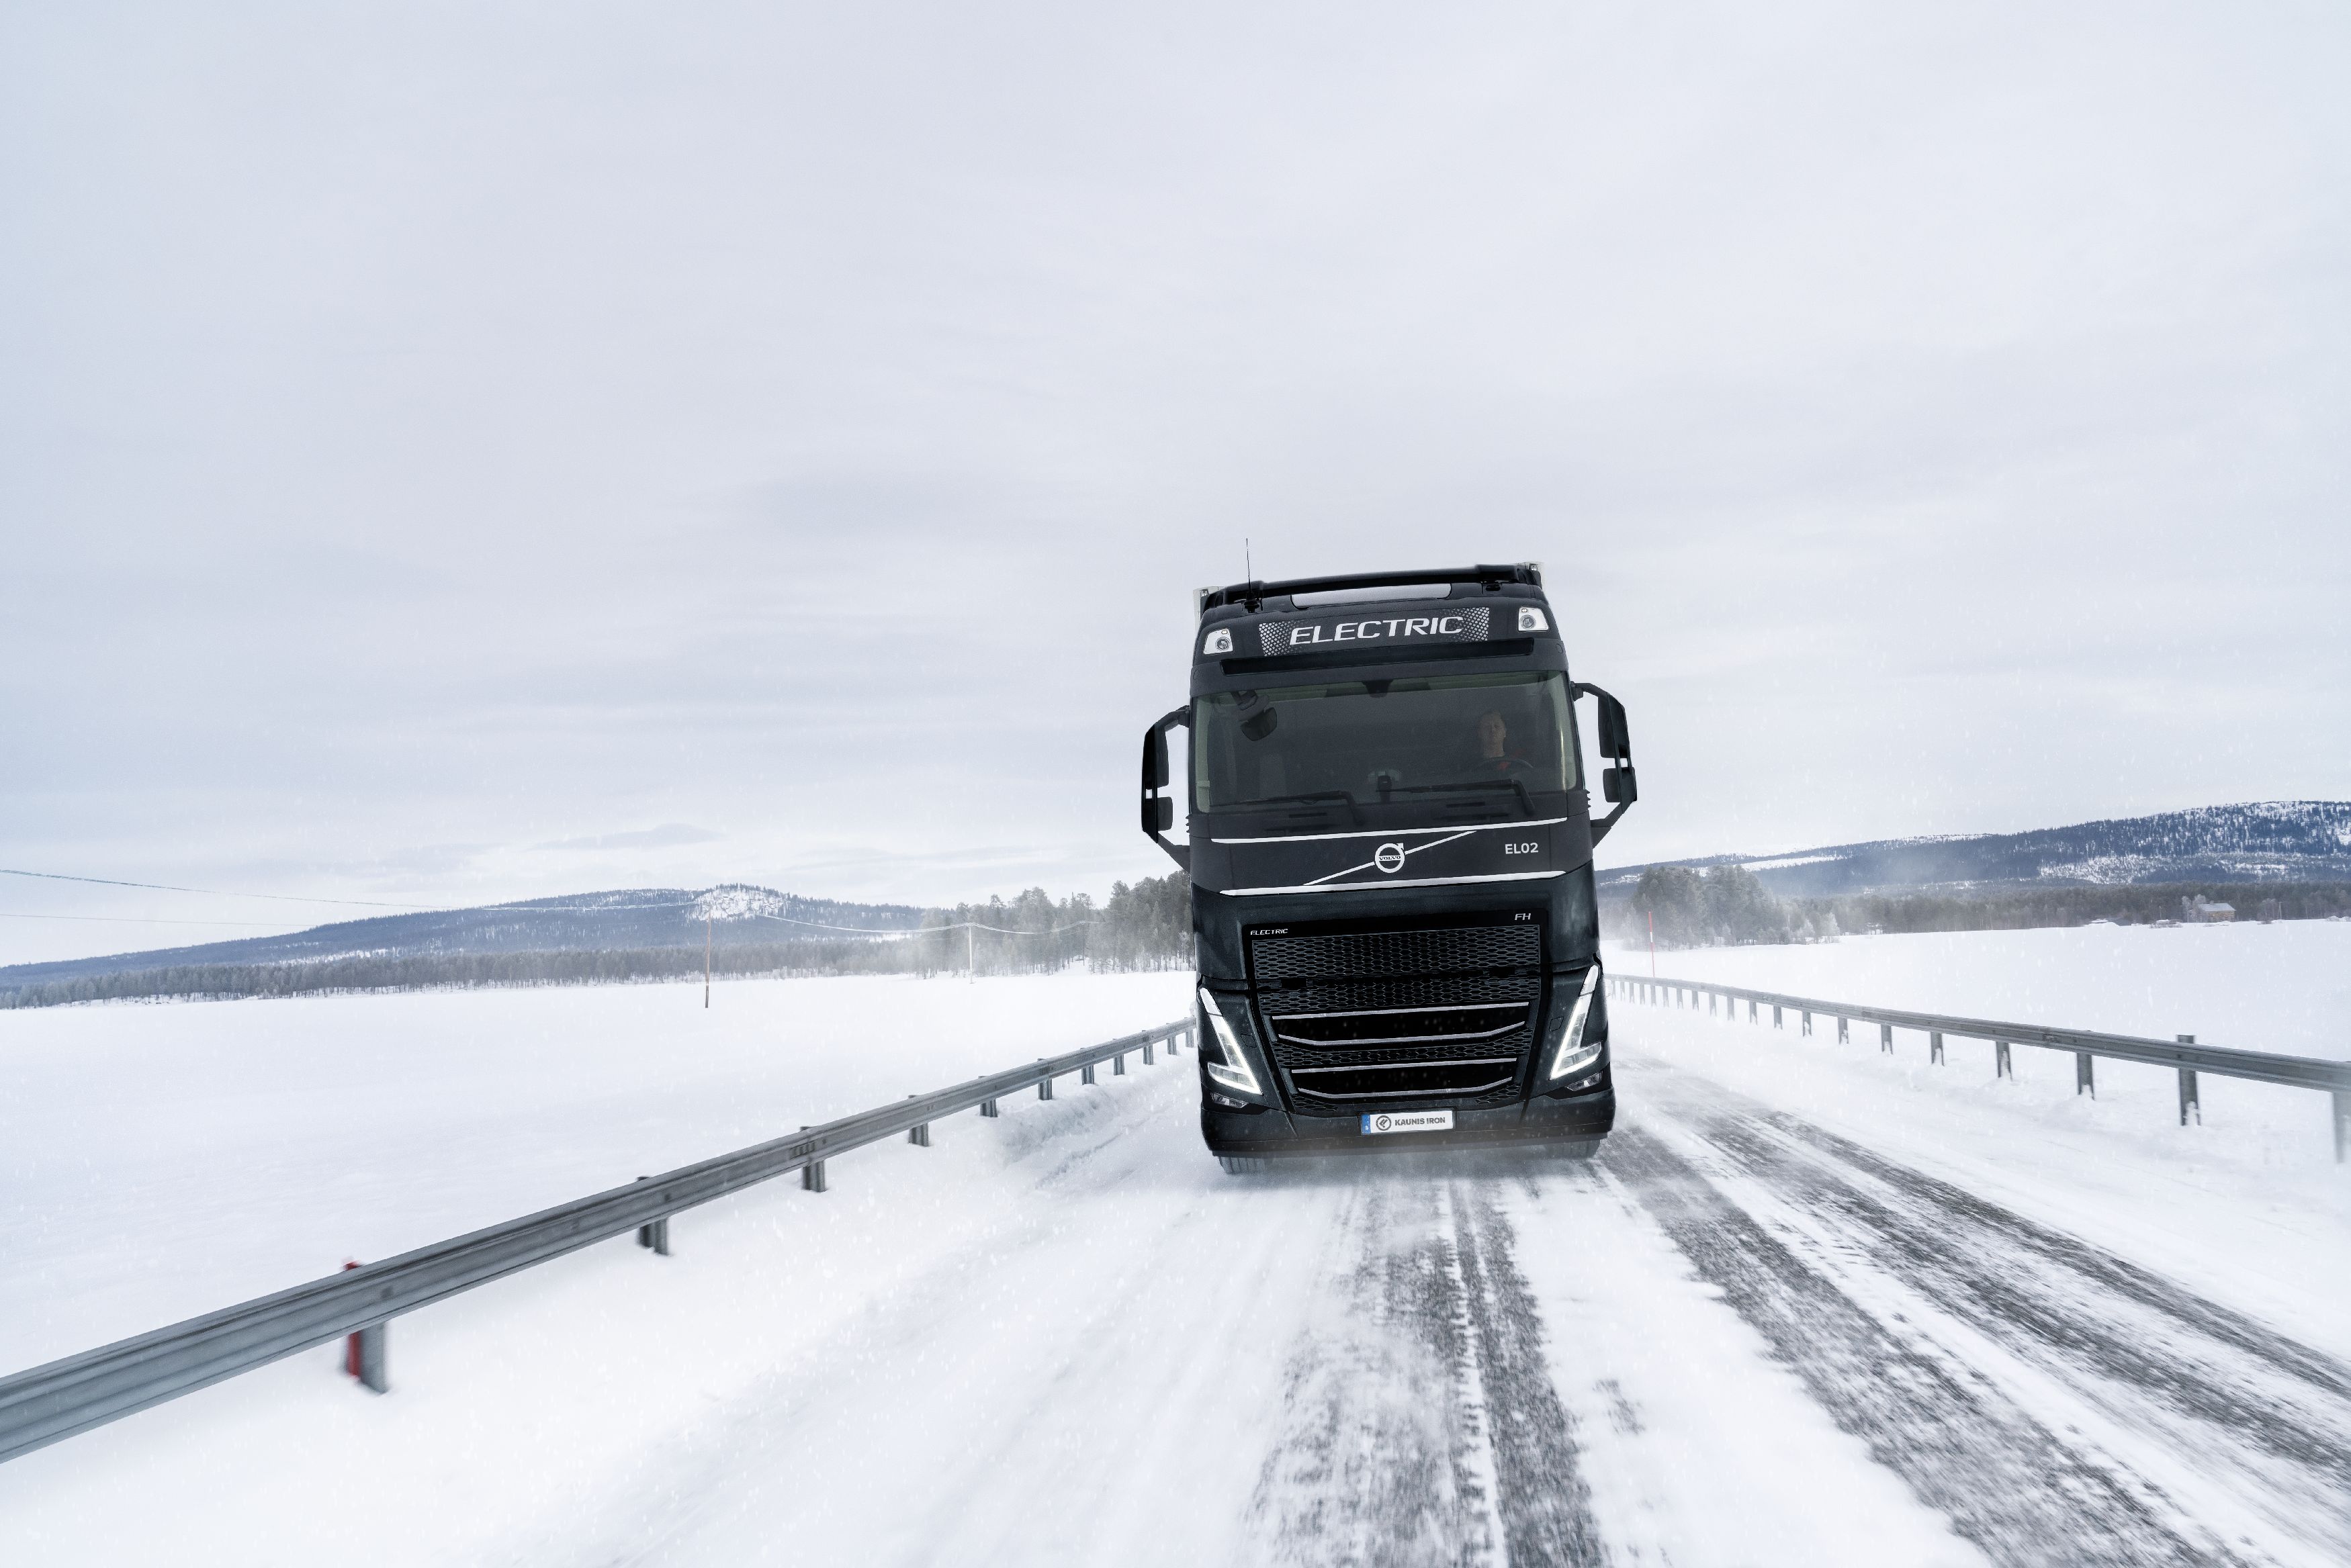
x=1496 y=757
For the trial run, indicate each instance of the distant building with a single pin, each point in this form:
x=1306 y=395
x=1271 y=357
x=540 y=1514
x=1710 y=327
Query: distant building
x=2198 y=909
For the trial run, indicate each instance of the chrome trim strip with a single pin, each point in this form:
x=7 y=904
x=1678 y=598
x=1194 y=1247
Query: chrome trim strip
x=1401 y=1066
x=1389 y=832
x=1375 y=860
x=1464 y=1035
x=1392 y=1011
x=1376 y=887
x=1460 y=1094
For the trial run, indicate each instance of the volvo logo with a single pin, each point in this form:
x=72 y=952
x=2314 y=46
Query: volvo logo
x=1389 y=857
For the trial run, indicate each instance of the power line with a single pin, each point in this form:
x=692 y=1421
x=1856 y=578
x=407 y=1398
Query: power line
x=461 y=909
x=213 y=892
x=920 y=930
x=144 y=920
x=302 y=899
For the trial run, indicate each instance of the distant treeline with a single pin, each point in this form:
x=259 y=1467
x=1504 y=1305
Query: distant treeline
x=1728 y=906
x=1723 y=906
x=1145 y=926
x=2036 y=906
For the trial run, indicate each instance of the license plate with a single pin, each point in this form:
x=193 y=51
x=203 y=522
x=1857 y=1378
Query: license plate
x=1408 y=1121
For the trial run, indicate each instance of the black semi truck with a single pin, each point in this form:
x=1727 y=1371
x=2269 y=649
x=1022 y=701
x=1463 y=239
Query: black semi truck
x=1391 y=865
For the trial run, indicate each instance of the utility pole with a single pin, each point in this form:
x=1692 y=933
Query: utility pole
x=706 y=918
x=970 y=952
x=1653 y=944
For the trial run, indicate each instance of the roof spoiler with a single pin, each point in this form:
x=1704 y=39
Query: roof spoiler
x=1253 y=594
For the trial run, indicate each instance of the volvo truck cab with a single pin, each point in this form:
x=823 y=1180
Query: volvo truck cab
x=1390 y=843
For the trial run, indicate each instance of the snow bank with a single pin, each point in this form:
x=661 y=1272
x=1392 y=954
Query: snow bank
x=2282 y=987
x=162 y=1160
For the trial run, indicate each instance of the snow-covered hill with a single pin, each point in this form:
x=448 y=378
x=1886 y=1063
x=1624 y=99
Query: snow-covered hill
x=731 y=913
x=2273 y=841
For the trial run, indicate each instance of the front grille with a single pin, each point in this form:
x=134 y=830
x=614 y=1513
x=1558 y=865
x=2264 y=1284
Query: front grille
x=1442 y=1013
x=1367 y=954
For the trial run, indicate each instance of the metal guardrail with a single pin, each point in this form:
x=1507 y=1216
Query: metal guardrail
x=2182 y=1054
x=45 y=1404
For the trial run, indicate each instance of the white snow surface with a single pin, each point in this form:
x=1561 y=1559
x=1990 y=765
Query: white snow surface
x=1063 y=1336
x=2285 y=986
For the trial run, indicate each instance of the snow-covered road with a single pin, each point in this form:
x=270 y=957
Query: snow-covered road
x=1768 y=1324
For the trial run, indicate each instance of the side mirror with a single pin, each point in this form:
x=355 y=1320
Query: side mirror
x=1616 y=734
x=1617 y=784
x=1159 y=809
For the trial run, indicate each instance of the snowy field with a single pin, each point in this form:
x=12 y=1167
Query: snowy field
x=2283 y=987
x=165 y=1159
x=1812 y=1305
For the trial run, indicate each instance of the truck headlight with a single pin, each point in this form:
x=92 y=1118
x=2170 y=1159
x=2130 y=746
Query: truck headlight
x=1572 y=1054
x=1235 y=1069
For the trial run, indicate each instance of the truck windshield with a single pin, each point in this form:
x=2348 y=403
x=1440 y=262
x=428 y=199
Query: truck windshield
x=1384 y=739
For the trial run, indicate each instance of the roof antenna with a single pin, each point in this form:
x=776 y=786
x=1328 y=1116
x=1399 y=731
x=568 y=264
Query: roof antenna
x=1248 y=571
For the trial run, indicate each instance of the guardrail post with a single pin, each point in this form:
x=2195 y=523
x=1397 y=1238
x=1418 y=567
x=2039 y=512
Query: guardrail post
x=919 y=1135
x=2002 y=1067
x=654 y=1233
x=1935 y=1047
x=363 y=1350
x=1118 y=1065
x=363 y=1355
x=1775 y=1015
x=1886 y=1037
x=1709 y=1004
x=1086 y=1073
x=1044 y=1088
x=2084 y=1075
x=1844 y=1038
x=1146 y=1053
x=1806 y=1024
x=812 y=1177
x=987 y=1108
x=2342 y=1123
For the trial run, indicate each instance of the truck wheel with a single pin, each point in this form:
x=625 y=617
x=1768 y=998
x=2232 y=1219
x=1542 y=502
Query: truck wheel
x=1239 y=1164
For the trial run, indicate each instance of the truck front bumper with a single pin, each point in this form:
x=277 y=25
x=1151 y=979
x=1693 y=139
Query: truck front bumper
x=1274 y=1132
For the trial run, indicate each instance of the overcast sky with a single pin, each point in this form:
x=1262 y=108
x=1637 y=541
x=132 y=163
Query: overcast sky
x=463 y=451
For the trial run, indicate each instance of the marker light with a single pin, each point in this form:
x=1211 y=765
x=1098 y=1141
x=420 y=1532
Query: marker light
x=1218 y=641
x=1574 y=1054
x=1235 y=1069
x=1531 y=619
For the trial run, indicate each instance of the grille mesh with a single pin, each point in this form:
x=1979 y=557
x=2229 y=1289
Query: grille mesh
x=1361 y=972
x=1367 y=954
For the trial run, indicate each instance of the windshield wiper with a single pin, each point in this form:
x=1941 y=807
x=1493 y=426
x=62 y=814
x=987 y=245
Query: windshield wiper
x=1354 y=811
x=1517 y=785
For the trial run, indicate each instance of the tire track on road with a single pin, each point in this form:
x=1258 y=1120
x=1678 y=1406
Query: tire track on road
x=2004 y=1480
x=2124 y=1339
x=1544 y=1502
x=1422 y=1428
